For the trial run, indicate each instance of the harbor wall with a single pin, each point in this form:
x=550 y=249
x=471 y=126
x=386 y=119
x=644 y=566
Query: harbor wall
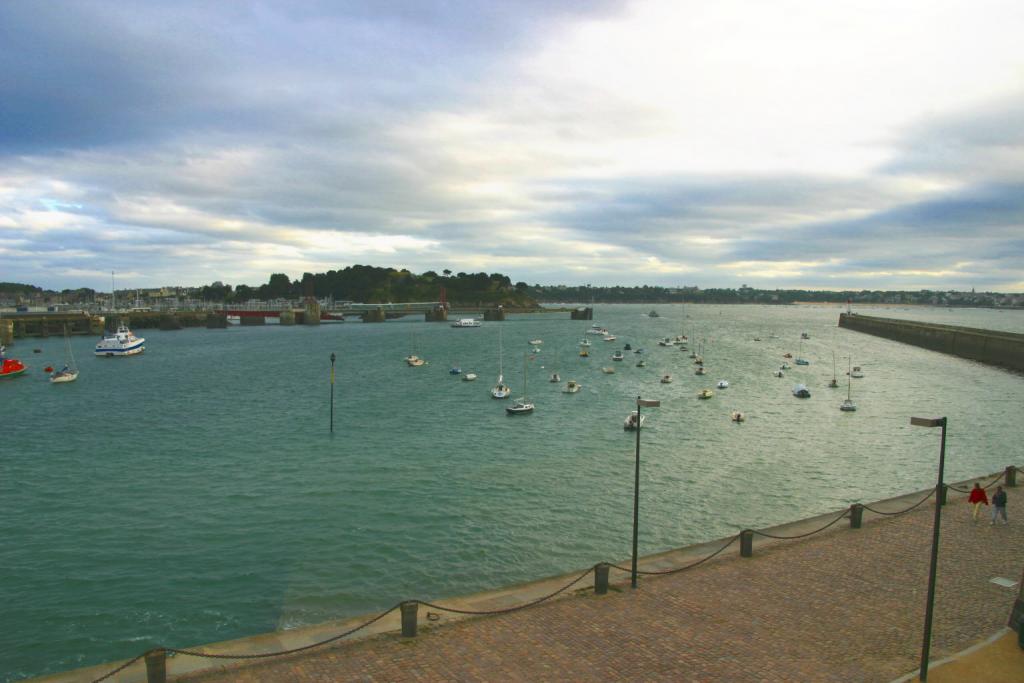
x=1005 y=349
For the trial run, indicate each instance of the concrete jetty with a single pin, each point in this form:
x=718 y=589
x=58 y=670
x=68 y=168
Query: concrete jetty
x=993 y=347
x=845 y=604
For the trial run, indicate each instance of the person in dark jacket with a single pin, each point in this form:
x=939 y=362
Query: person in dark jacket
x=999 y=505
x=977 y=498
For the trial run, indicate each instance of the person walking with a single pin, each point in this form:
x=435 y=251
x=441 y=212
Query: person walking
x=977 y=498
x=999 y=505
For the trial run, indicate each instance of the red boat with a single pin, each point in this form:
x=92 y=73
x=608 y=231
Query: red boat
x=10 y=367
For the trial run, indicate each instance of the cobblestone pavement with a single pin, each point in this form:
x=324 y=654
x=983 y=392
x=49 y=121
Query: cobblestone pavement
x=844 y=605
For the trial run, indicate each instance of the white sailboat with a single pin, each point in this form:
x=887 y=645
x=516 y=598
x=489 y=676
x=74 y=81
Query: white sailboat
x=521 y=405
x=500 y=389
x=68 y=373
x=848 y=405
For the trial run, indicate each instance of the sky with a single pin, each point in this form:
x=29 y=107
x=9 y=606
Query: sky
x=785 y=144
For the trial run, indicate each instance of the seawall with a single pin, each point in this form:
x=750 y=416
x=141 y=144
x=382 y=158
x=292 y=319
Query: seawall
x=1005 y=349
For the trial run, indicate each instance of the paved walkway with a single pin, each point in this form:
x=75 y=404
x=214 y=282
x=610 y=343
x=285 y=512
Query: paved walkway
x=843 y=605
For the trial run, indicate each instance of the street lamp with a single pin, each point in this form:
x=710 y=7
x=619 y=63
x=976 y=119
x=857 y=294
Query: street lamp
x=636 y=482
x=926 y=644
x=332 y=391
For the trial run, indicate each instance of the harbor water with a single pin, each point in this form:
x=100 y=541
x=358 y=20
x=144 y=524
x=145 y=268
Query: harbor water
x=195 y=493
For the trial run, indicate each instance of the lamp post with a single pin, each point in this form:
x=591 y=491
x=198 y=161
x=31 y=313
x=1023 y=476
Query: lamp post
x=636 y=481
x=332 y=391
x=929 y=607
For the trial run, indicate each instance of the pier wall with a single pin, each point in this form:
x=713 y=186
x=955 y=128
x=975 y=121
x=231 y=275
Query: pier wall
x=1005 y=349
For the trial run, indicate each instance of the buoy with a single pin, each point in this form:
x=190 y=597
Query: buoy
x=48 y=369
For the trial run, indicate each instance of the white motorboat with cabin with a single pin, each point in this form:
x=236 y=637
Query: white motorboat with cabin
x=469 y=377
x=122 y=342
x=723 y=384
x=466 y=322
x=617 y=355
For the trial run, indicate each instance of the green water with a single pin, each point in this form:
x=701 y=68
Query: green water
x=194 y=494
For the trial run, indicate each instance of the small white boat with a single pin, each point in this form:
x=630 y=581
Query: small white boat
x=666 y=379
x=466 y=322
x=856 y=372
x=698 y=361
x=779 y=373
x=631 y=421
x=608 y=371
x=785 y=366
x=598 y=330
x=584 y=342
x=801 y=391
x=722 y=384
x=705 y=393
x=571 y=387
x=536 y=342
x=737 y=416
x=469 y=377
x=123 y=342
x=617 y=355
x=802 y=361
x=667 y=341
x=609 y=337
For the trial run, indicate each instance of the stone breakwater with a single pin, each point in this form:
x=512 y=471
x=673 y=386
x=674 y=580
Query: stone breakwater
x=993 y=347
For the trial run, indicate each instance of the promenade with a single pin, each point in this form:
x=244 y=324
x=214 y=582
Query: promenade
x=841 y=605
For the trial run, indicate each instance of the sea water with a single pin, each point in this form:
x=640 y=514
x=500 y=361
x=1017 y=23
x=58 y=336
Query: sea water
x=195 y=493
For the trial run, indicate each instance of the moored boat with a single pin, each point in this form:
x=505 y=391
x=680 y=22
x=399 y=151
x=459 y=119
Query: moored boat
x=630 y=423
x=10 y=367
x=122 y=342
x=801 y=391
x=571 y=387
x=466 y=322
x=705 y=393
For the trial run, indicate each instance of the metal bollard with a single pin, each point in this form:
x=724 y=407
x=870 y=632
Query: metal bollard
x=410 y=612
x=746 y=543
x=1011 y=476
x=156 y=666
x=942 y=494
x=601 y=578
x=856 y=515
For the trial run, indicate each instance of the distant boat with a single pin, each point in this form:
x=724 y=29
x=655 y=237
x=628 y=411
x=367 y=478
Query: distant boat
x=653 y=314
x=455 y=370
x=466 y=322
x=701 y=370
x=631 y=421
x=585 y=342
x=722 y=384
x=779 y=373
x=68 y=373
x=641 y=363
x=705 y=393
x=666 y=379
x=627 y=347
x=415 y=361
x=609 y=337
x=785 y=366
x=555 y=378
x=804 y=335
x=584 y=353
x=799 y=354
x=667 y=341
x=856 y=372
x=608 y=371
x=596 y=329
x=737 y=416
x=617 y=355
x=469 y=377
x=521 y=405
x=571 y=387
x=122 y=342
x=801 y=391
x=536 y=342
x=833 y=383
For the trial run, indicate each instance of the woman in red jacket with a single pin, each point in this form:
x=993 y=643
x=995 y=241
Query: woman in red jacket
x=977 y=497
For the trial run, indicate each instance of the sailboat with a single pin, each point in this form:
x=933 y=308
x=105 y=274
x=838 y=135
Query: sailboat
x=68 y=373
x=521 y=405
x=848 y=405
x=500 y=389
x=833 y=383
x=800 y=360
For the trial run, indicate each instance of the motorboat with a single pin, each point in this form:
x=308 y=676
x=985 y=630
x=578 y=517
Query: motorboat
x=455 y=370
x=785 y=366
x=701 y=370
x=698 y=360
x=632 y=420
x=536 y=342
x=779 y=373
x=666 y=379
x=801 y=391
x=802 y=361
x=722 y=384
x=585 y=342
x=10 y=367
x=584 y=353
x=466 y=322
x=595 y=329
x=608 y=371
x=856 y=372
x=469 y=377
x=121 y=342
x=627 y=347
x=737 y=416
x=415 y=361
x=705 y=393
x=617 y=355
x=571 y=387
x=555 y=379
x=609 y=337
x=667 y=341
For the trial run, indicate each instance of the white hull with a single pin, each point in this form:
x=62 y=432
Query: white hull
x=64 y=378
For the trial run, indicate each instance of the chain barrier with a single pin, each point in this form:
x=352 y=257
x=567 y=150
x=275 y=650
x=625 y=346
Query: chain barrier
x=986 y=486
x=506 y=610
x=900 y=512
x=809 y=533
x=123 y=666
x=662 y=572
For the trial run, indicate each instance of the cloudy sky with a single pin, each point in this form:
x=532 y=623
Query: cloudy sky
x=862 y=144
